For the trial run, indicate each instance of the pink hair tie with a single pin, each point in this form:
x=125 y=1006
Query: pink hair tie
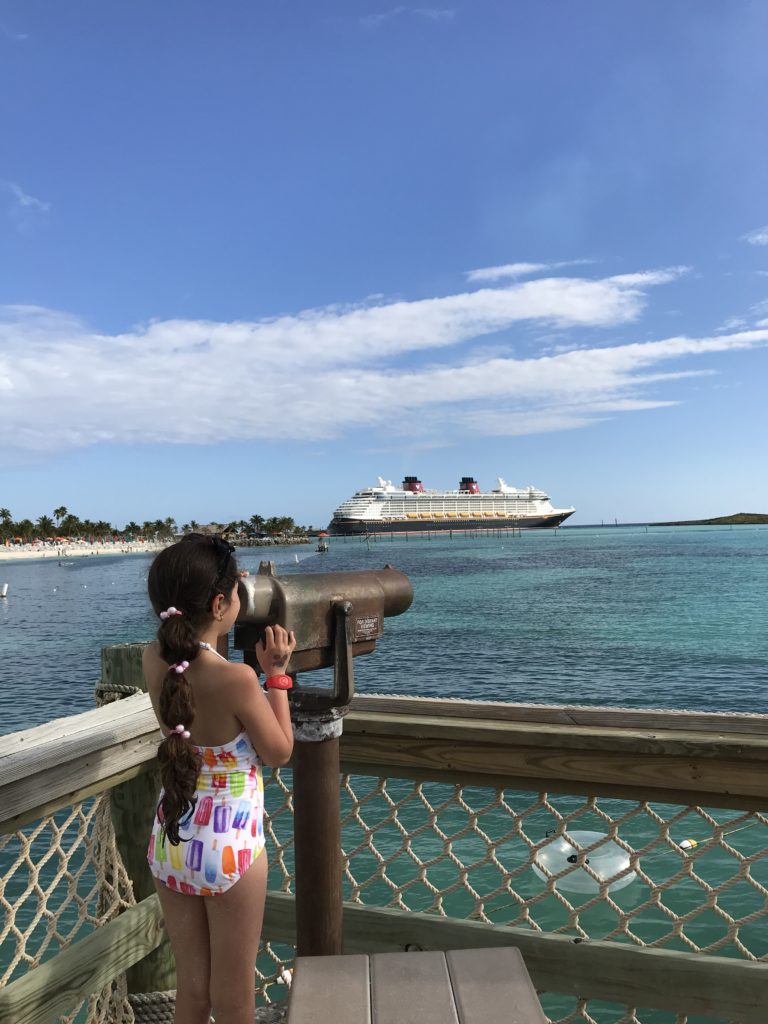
x=169 y=613
x=181 y=731
x=181 y=667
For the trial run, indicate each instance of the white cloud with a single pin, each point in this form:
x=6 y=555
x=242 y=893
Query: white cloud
x=435 y=13
x=17 y=37
x=429 y=13
x=24 y=200
x=516 y=270
x=374 y=20
x=335 y=371
x=24 y=209
x=757 y=237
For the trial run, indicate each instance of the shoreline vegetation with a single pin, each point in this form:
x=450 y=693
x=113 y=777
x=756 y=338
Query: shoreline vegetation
x=79 y=549
x=739 y=519
x=66 y=536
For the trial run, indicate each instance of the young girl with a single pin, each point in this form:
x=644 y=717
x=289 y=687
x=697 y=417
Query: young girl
x=207 y=842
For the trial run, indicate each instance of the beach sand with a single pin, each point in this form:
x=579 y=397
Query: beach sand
x=23 y=552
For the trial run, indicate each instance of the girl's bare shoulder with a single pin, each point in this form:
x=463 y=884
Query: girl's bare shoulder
x=232 y=673
x=154 y=667
x=151 y=653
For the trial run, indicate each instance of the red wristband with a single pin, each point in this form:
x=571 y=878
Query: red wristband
x=278 y=683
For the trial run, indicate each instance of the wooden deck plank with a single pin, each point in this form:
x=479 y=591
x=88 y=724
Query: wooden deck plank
x=411 y=988
x=679 y=742
x=565 y=714
x=118 y=716
x=727 y=988
x=102 y=729
x=651 y=771
x=493 y=985
x=45 y=993
x=331 y=988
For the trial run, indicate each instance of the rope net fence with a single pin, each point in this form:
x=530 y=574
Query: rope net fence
x=59 y=879
x=651 y=875
x=655 y=875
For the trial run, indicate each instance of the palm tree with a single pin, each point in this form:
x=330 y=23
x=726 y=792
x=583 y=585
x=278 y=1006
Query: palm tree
x=70 y=525
x=103 y=529
x=279 y=525
x=6 y=521
x=132 y=529
x=59 y=514
x=45 y=526
x=25 y=528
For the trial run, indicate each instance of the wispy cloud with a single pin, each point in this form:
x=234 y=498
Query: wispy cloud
x=757 y=237
x=24 y=209
x=341 y=370
x=429 y=13
x=435 y=13
x=510 y=271
x=17 y=37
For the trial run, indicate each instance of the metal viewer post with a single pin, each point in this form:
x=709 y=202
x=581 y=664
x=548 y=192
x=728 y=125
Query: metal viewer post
x=335 y=617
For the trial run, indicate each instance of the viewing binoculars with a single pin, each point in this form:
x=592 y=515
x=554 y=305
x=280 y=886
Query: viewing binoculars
x=334 y=616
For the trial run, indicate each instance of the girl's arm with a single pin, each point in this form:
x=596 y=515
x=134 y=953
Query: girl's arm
x=267 y=719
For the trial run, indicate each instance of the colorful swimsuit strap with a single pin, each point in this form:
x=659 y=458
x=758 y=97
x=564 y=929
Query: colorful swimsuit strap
x=207 y=647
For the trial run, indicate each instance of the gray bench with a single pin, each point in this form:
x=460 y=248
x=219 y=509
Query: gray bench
x=469 y=986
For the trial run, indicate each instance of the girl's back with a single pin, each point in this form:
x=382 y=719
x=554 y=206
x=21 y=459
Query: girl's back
x=214 y=683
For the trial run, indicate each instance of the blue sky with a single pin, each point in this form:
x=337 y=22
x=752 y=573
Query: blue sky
x=255 y=255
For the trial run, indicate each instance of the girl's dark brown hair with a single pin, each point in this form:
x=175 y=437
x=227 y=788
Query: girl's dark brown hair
x=187 y=575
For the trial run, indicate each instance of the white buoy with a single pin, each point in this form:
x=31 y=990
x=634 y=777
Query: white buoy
x=607 y=860
x=4 y=590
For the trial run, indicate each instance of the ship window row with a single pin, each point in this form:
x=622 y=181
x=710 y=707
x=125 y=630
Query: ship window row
x=478 y=506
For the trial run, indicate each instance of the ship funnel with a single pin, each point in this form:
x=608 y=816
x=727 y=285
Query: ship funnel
x=469 y=485
x=412 y=483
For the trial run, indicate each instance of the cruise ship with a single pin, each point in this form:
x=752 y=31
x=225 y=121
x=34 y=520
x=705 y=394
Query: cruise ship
x=389 y=509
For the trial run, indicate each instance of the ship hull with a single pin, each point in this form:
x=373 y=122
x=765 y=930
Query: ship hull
x=358 y=527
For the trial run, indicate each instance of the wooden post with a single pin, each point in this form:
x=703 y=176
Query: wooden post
x=317 y=831
x=133 y=808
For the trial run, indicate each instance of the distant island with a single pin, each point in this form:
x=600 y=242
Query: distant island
x=739 y=519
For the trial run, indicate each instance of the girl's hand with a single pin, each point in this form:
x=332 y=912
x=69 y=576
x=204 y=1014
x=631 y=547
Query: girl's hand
x=275 y=651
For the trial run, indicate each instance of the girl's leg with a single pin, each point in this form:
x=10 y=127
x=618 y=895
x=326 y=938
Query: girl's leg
x=234 y=925
x=187 y=926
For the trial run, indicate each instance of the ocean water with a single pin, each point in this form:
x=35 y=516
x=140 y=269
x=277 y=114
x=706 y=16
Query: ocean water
x=644 y=617
x=665 y=617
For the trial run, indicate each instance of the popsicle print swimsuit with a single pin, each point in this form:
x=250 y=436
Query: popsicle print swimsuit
x=224 y=833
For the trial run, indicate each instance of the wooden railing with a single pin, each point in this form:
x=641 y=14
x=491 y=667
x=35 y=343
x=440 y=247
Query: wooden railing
x=686 y=759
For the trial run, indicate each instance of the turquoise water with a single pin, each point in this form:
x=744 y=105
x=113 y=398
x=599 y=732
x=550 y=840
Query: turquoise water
x=647 y=618
x=664 y=617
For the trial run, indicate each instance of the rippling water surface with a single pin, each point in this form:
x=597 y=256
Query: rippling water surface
x=664 y=617
x=633 y=616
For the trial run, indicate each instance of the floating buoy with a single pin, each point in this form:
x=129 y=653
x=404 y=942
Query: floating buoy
x=607 y=861
x=688 y=844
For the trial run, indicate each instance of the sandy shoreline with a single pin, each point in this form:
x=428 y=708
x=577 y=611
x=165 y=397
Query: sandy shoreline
x=27 y=552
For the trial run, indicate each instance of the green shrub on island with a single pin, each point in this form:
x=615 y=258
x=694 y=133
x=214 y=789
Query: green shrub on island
x=67 y=527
